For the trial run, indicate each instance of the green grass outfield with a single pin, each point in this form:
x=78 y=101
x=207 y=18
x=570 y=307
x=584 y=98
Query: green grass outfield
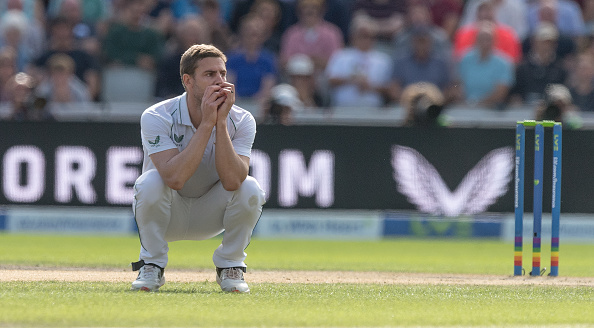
x=111 y=304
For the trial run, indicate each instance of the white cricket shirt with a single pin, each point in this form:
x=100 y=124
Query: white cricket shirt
x=166 y=125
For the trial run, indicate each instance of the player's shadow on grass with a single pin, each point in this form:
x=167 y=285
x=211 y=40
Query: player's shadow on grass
x=203 y=288
x=197 y=290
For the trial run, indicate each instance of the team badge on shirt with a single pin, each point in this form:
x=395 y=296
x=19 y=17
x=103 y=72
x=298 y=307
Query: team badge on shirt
x=156 y=142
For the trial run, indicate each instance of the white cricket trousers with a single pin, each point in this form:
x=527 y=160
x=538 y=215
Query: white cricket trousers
x=162 y=215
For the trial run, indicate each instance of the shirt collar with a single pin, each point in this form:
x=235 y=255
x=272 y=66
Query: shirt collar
x=185 y=113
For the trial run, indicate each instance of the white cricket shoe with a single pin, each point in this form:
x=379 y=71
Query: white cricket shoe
x=231 y=280
x=150 y=278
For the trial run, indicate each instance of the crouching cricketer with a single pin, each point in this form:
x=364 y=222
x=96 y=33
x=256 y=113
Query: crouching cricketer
x=194 y=183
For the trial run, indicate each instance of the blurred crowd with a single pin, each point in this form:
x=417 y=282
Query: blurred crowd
x=423 y=55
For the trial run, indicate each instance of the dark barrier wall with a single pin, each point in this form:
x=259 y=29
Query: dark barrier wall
x=441 y=171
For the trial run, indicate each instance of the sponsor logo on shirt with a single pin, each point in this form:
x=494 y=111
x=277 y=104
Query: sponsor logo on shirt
x=178 y=139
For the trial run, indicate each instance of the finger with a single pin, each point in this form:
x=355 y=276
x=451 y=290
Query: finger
x=211 y=90
x=226 y=85
x=220 y=100
x=229 y=86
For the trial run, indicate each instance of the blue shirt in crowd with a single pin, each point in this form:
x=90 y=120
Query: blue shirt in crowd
x=436 y=70
x=480 y=77
x=248 y=74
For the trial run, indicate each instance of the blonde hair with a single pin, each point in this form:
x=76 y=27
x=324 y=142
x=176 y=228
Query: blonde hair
x=61 y=62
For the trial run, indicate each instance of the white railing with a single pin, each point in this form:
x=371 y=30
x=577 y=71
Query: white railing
x=457 y=116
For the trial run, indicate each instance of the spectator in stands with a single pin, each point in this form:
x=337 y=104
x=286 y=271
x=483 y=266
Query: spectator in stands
x=386 y=16
x=23 y=104
x=270 y=12
x=34 y=37
x=581 y=84
x=512 y=13
x=86 y=18
x=558 y=106
x=588 y=15
x=300 y=71
x=486 y=76
x=565 y=51
x=539 y=68
x=421 y=64
x=243 y=7
x=311 y=35
x=160 y=17
x=130 y=43
x=8 y=68
x=423 y=104
x=419 y=17
x=251 y=67
x=190 y=30
x=183 y=8
x=566 y=42
x=87 y=12
x=505 y=40
x=62 y=40
x=447 y=14
x=283 y=101
x=33 y=9
x=62 y=86
x=13 y=34
x=359 y=75
x=565 y=14
x=220 y=33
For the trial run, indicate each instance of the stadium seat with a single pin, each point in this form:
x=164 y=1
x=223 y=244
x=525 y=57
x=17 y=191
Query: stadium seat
x=128 y=84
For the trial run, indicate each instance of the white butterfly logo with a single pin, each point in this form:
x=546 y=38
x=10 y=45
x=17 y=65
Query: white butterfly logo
x=420 y=182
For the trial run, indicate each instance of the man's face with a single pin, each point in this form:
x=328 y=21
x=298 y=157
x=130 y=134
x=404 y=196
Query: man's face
x=486 y=12
x=364 y=38
x=209 y=71
x=253 y=33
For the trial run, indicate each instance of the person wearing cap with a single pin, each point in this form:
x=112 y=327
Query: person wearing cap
x=548 y=15
x=300 y=72
x=359 y=75
x=539 y=68
x=284 y=100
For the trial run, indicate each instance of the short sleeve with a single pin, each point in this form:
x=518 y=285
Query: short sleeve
x=155 y=133
x=244 y=136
